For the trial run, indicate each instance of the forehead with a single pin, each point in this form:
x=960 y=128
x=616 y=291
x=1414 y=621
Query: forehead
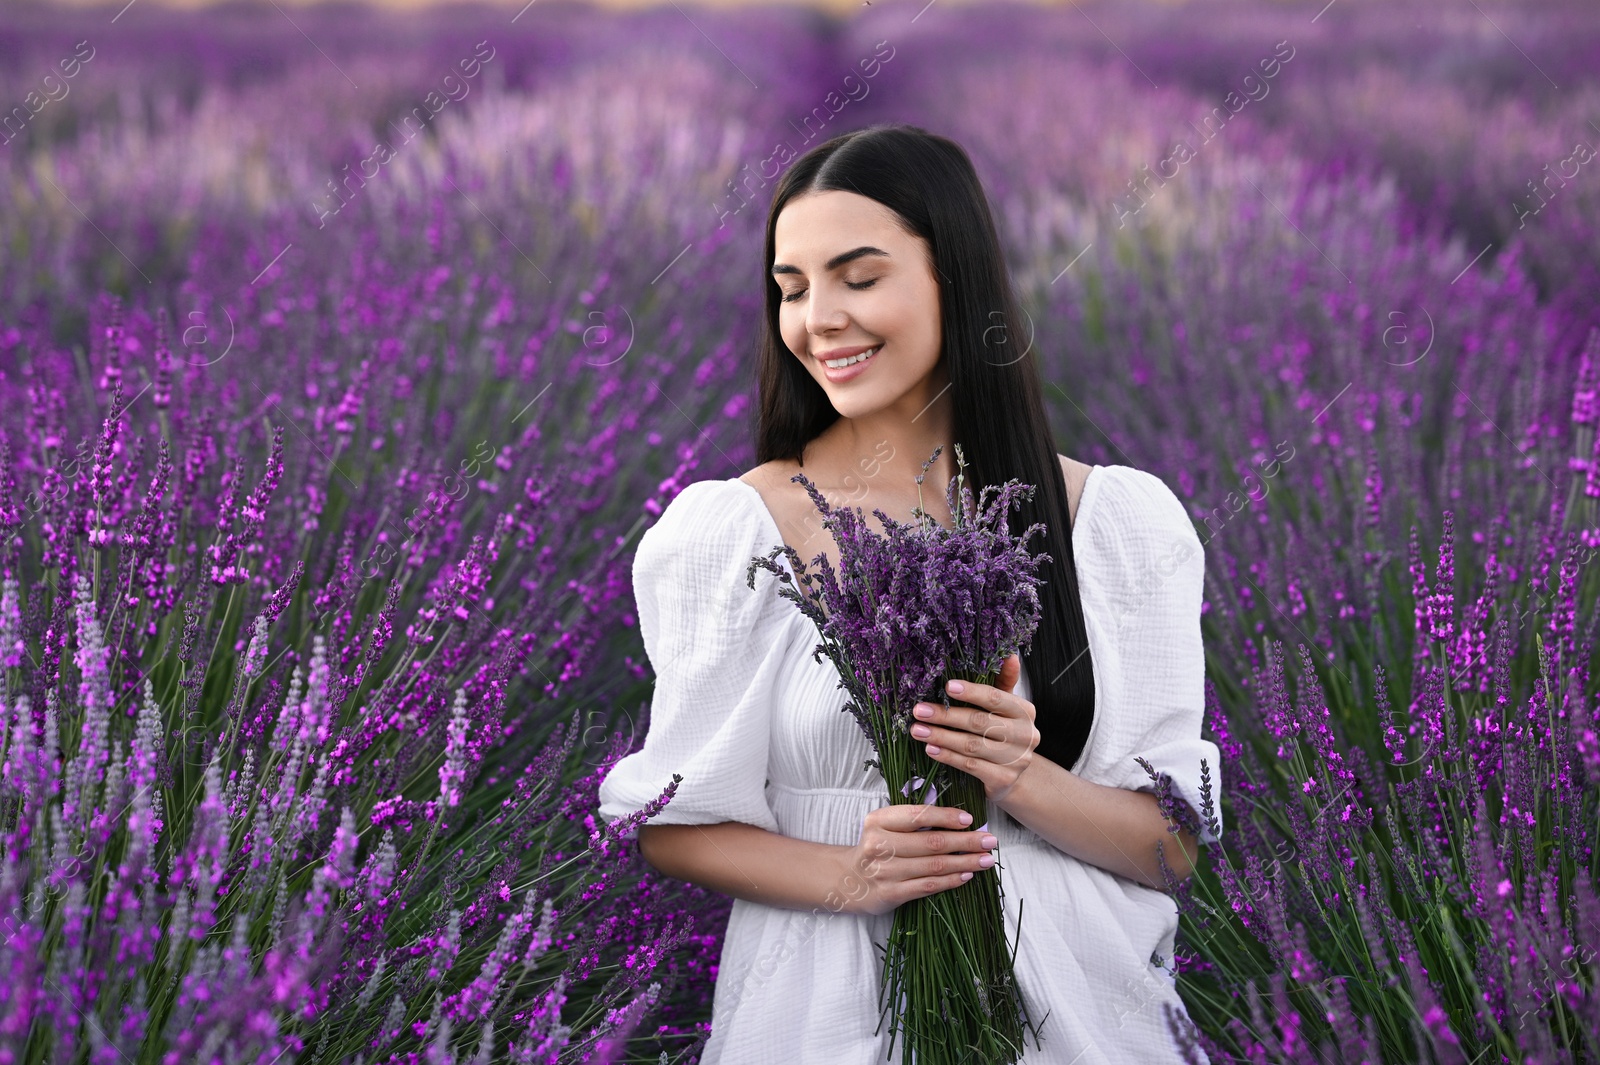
x=817 y=224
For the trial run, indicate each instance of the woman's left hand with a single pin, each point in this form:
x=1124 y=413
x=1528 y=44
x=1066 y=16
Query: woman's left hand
x=993 y=740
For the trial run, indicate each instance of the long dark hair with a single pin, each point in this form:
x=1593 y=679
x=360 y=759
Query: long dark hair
x=999 y=416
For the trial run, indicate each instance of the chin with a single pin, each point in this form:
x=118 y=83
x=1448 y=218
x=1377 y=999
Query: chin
x=863 y=402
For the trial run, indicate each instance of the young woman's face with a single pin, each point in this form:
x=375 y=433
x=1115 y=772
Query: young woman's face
x=853 y=279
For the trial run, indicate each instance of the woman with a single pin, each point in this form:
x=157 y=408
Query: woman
x=889 y=332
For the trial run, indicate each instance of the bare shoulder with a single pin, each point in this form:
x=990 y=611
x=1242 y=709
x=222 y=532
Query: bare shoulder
x=1076 y=473
x=770 y=478
x=789 y=506
x=782 y=496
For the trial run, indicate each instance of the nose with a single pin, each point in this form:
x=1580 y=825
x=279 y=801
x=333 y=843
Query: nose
x=823 y=316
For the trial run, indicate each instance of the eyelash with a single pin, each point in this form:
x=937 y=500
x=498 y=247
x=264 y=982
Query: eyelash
x=858 y=285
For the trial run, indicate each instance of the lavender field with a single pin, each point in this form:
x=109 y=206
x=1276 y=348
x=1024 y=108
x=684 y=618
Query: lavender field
x=345 y=356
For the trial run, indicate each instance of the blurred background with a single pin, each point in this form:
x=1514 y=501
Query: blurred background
x=1280 y=206
x=1327 y=268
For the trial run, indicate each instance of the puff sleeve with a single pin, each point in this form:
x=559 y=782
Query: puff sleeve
x=1156 y=603
x=715 y=646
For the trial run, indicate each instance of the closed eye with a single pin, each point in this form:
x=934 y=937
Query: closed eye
x=857 y=285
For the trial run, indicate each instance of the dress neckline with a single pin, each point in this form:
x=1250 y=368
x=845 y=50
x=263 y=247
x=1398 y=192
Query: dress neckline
x=772 y=522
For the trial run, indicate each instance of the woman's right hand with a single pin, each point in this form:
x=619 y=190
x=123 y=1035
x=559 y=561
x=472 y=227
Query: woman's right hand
x=896 y=861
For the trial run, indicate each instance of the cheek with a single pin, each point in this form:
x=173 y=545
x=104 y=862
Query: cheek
x=792 y=330
x=915 y=324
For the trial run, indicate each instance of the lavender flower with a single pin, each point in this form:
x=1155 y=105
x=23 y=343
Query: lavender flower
x=454 y=771
x=1307 y=424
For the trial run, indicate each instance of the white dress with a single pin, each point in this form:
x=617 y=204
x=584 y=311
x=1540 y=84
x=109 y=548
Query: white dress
x=754 y=726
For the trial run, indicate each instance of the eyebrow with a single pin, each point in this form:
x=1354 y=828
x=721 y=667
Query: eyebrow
x=837 y=261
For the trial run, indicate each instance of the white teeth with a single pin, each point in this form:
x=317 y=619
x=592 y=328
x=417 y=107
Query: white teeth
x=838 y=364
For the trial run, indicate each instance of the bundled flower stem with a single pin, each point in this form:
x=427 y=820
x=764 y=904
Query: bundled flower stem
x=911 y=609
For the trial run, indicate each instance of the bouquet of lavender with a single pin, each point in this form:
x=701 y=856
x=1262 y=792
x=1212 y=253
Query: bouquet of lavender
x=909 y=611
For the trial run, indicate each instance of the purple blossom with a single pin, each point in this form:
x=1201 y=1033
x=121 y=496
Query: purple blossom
x=340 y=442
x=454 y=771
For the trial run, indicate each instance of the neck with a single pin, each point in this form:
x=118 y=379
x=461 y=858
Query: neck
x=885 y=450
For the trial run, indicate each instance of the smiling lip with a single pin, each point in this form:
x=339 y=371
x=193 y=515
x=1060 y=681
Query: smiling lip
x=845 y=373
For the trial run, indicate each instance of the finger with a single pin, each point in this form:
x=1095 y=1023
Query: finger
x=942 y=842
x=945 y=739
x=909 y=817
x=990 y=738
x=1010 y=672
x=932 y=885
x=995 y=744
x=968 y=691
x=944 y=864
x=974 y=693
x=975 y=842
x=982 y=768
x=1003 y=707
x=956 y=717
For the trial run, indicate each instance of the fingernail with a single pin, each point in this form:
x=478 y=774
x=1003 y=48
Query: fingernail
x=987 y=860
x=921 y=732
x=922 y=710
x=966 y=876
x=966 y=818
x=955 y=687
x=989 y=841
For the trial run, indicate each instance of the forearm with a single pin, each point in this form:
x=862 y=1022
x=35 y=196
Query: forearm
x=1113 y=828
x=752 y=863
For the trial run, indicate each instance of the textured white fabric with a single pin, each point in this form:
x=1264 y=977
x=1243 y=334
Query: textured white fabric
x=755 y=727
